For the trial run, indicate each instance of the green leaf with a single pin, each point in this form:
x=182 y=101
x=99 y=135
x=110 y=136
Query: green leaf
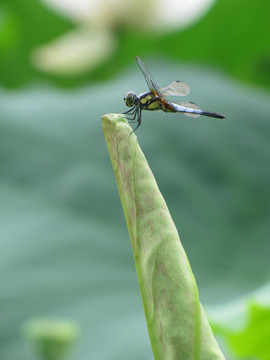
x=252 y=341
x=177 y=325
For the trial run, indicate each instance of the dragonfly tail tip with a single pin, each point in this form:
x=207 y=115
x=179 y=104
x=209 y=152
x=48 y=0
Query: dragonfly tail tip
x=214 y=115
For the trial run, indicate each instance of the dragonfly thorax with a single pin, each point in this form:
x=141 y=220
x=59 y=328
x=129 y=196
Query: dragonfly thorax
x=130 y=99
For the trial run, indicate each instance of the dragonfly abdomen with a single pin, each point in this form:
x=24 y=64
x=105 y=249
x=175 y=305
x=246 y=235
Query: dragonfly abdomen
x=180 y=108
x=193 y=110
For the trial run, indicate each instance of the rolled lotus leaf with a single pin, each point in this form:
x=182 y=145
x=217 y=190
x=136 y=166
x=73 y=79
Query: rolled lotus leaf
x=177 y=325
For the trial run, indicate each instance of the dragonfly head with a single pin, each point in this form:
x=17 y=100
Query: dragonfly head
x=130 y=98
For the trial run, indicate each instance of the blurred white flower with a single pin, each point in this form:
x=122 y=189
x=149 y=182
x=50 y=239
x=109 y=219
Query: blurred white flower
x=94 y=41
x=152 y=14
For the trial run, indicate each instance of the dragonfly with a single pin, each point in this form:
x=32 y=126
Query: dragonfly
x=155 y=99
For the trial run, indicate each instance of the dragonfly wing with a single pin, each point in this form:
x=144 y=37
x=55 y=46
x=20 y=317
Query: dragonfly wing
x=150 y=80
x=189 y=105
x=176 y=88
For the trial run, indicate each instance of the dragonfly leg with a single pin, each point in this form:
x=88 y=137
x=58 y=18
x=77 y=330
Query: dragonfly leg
x=133 y=119
x=139 y=120
x=130 y=110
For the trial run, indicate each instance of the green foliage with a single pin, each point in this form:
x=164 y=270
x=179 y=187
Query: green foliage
x=252 y=341
x=232 y=36
x=25 y=25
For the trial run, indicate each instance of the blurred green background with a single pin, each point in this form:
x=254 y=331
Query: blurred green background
x=65 y=250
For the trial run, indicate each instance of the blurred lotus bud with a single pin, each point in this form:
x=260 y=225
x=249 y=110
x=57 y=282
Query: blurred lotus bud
x=52 y=339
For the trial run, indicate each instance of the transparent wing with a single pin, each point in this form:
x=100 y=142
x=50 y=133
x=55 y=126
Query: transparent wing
x=188 y=105
x=151 y=82
x=176 y=88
